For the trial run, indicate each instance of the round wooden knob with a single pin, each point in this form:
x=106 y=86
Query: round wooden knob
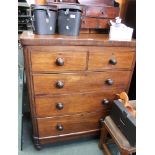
x=102 y=12
x=59 y=127
x=105 y=102
x=101 y=122
x=109 y=81
x=59 y=106
x=83 y=21
x=113 y=61
x=59 y=84
x=60 y=61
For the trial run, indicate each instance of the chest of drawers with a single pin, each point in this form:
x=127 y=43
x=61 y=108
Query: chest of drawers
x=72 y=82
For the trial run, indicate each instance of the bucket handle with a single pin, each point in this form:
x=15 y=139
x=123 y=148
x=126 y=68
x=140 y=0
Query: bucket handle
x=67 y=12
x=32 y=22
x=32 y=17
x=48 y=12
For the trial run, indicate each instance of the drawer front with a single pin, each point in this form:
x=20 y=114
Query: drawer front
x=58 y=59
x=66 y=83
x=100 y=11
x=111 y=58
x=94 y=23
x=97 y=2
x=69 y=124
x=75 y=103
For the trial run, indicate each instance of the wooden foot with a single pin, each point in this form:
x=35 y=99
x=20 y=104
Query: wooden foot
x=106 y=150
x=37 y=145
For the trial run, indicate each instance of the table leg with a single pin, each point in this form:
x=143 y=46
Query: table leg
x=103 y=137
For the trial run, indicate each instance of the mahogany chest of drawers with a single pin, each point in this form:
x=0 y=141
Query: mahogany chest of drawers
x=72 y=82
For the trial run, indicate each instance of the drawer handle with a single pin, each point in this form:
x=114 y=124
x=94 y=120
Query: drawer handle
x=59 y=127
x=60 y=61
x=113 y=61
x=101 y=122
x=102 y=12
x=59 y=106
x=109 y=82
x=59 y=84
x=106 y=101
x=84 y=22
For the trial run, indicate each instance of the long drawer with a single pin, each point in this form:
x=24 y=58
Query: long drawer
x=75 y=103
x=68 y=124
x=110 y=58
x=94 y=23
x=66 y=83
x=57 y=59
x=100 y=11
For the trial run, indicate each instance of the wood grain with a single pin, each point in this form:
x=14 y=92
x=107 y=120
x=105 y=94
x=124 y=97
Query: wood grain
x=75 y=103
x=30 y=91
x=70 y=123
x=44 y=59
x=107 y=2
x=94 y=23
x=30 y=39
x=45 y=84
x=84 y=77
x=99 y=58
x=71 y=136
x=100 y=11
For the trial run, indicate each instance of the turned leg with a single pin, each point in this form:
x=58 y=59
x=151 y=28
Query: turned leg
x=37 y=144
x=103 y=137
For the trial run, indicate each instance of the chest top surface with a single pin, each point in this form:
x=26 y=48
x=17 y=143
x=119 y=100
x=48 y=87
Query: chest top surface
x=29 y=39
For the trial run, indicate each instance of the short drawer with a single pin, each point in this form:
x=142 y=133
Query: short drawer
x=66 y=83
x=111 y=58
x=57 y=59
x=75 y=103
x=61 y=125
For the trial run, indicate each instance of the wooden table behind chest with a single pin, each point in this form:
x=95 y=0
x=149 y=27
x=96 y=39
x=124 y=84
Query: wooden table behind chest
x=72 y=82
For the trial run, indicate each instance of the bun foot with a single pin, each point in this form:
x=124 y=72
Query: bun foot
x=37 y=145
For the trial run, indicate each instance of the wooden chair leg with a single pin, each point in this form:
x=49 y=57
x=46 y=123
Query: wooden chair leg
x=106 y=150
x=103 y=137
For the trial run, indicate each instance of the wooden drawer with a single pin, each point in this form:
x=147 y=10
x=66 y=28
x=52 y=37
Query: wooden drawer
x=100 y=11
x=75 y=103
x=61 y=125
x=58 y=59
x=97 y=2
x=94 y=23
x=67 y=83
x=111 y=58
